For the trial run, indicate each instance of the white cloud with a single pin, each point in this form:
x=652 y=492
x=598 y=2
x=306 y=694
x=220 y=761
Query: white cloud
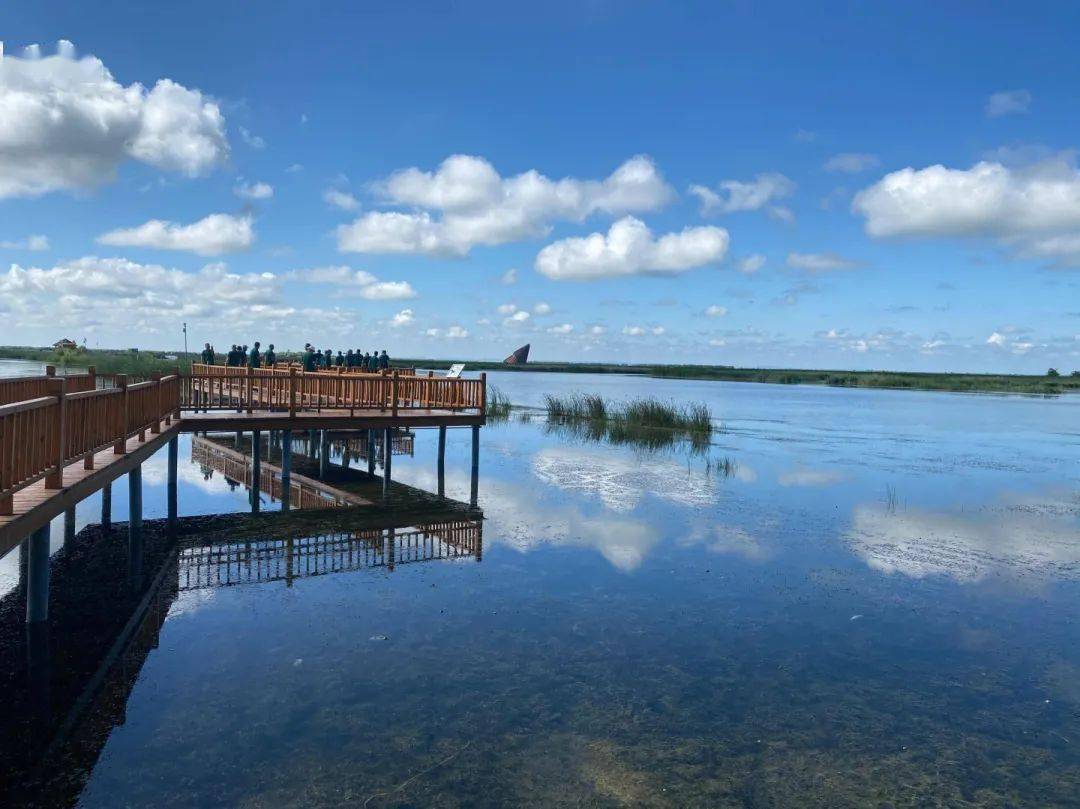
x=34 y=242
x=215 y=234
x=388 y=291
x=657 y=330
x=736 y=195
x=751 y=263
x=633 y=331
x=403 y=318
x=507 y=308
x=597 y=330
x=69 y=125
x=1033 y=209
x=457 y=332
x=542 y=309
x=340 y=199
x=820 y=262
x=295 y=168
x=715 y=311
x=477 y=206
x=339 y=275
x=254 y=141
x=519 y=316
x=1008 y=102
x=254 y=191
x=852 y=162
x=629 y=248
x=564 y=328
x=510 y=276
x=717 y=343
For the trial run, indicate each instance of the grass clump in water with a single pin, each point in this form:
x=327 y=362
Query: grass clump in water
x=498 y=405
x=646 y=421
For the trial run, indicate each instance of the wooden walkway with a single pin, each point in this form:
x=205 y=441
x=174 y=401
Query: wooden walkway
x=64 y=438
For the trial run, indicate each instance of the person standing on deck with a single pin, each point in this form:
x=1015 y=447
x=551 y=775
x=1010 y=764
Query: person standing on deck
x=254 y=358
x=328 y=359
x=270 y=357
x=350 y=360
x=309 y=358
x=241 y=357
x=369 y=362
x=384 y=361
x=230 y=358
x=207 y=355
x=339 y=360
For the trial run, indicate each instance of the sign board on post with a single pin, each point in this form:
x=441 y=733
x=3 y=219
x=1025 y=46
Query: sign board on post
x=455 y=370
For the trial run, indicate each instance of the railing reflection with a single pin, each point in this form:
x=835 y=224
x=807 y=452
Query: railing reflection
x=223 y=564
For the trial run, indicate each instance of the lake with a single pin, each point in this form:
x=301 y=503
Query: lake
x=853 y=597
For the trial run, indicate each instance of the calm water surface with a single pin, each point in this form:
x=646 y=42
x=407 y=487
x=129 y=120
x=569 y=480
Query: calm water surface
x=853 y=598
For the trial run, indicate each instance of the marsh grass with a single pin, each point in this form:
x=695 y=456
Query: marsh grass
x=646 y=422
x=498 y=405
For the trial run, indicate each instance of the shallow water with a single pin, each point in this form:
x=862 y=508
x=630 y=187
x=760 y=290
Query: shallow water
x=856 y=597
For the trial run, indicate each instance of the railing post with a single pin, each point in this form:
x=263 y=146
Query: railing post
x=248 y=385
x=483 y=394
x=55 y=478
x=292 y=393
x=92 y=373
x=393 y=394
x=120 y=447
x=155 y=428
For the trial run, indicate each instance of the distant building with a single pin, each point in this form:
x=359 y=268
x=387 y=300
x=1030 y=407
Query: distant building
x=65 y=345
x=519 y=357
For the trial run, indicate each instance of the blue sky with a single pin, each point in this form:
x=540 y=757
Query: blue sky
x=745 y=183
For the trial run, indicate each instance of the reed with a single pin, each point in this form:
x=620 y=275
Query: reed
x=645 y=421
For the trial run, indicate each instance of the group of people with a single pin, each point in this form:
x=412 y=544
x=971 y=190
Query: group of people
x=312 y=359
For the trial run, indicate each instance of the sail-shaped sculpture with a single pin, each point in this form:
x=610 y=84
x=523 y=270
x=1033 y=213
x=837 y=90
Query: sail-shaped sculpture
x=519 y=357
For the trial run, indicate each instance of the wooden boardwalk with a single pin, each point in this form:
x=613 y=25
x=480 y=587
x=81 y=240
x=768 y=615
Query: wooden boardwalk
x=64 y=438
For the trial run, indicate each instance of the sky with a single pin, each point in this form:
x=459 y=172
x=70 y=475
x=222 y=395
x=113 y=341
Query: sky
x=833 y=185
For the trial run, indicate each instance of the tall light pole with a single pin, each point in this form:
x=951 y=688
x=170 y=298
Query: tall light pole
x=185 y=339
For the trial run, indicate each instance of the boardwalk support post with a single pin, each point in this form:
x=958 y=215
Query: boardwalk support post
x=69 y=526
x=286 y=469
x=256 y=471
x=371 y=452
x=55 y=478
x=324 y=453
x=475 y=481
x=106 y=507
x=174 y=450
x=388 y=454
x=135 y=535
x=37 y=576
x=442 y=461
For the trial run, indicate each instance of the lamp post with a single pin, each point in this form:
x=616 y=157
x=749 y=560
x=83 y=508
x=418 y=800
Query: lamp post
x=185 y=339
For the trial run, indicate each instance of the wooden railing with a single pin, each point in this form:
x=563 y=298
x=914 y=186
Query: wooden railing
x=24 y=388
x=41 y=435
x=219 y=387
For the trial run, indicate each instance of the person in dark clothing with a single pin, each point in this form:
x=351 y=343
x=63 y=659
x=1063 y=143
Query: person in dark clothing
x=242 y=356
x=367 y=361
x=309 y=358
x=384 y=361
x=270 y=357
x=350 y=360
x=254 y=359
x=328 y=358
x=230 y=358
x=339 y=360
x=207 y=355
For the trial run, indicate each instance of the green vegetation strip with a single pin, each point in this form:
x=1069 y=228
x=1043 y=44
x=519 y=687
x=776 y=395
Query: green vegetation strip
x=645 y=421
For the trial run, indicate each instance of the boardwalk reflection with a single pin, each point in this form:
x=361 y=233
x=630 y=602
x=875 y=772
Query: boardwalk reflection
x=223 y=564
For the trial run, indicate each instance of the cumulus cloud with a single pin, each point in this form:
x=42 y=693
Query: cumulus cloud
x=751 y=263
x=403 y=318
x=34 y=242
x=629 y=248
x=252 y=140
x=475 y=205
x=520 y=316
x=357 y=281
x=562 y=328
x=254 y=191
x=215 y=234
x=715 y=311
x=69 y=125
x=342 y=200
x=451 y=332
x=542 y=309
x=852 y=162
x=510 y=276
x=388 y=291
x=1033 y=209
x=1008 y=102
x=633 y=331
x=735 y=195
x=820 y=262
